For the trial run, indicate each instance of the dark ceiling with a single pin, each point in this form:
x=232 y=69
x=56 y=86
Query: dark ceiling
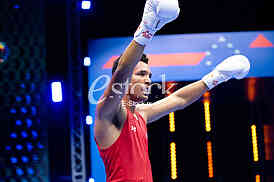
x=121 y=17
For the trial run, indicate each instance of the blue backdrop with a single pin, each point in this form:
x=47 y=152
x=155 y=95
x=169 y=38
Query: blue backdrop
x=180 y=58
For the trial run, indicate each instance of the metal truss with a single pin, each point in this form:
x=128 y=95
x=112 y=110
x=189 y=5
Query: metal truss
x=76 y=96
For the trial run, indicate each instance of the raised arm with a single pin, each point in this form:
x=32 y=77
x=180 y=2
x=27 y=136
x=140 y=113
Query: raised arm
x=235 y=66
x=113 y=94
x=157 y=13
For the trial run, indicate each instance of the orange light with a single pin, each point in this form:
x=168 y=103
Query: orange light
x=251 y=86
x=258 y=178
x=254 y=143
x=268 y=141
x=210 y=159
x=173 y=161
x=171 y=122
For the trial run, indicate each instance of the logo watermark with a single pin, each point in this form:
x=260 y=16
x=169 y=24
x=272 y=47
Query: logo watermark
x=119 y=89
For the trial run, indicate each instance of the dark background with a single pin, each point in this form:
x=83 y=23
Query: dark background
x=121 y=18
x=38 y=37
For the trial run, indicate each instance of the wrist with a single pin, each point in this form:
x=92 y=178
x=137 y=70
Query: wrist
x=213 y=79
x=143 y=35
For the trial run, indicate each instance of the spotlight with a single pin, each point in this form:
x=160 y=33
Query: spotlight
x=24 y=110
x=56 y=91
x=35 y=157
x=33 y=110
x=40 y=146
x=13 y=160
x=29 y=146
x=13 y=111
x=91 y=180
x=13 y=135
x=18 y=122
x=30 y=171
x=87 y=61
x=19 y=172
x=25 y=159
x=16 y=6
x=86 y=5
x=24 y=134
x=29 y=122
x=34 y=134
x=19 y=147
x=89 y=120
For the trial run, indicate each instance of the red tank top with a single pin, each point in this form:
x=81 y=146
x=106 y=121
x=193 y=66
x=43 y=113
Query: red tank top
x=127 y=159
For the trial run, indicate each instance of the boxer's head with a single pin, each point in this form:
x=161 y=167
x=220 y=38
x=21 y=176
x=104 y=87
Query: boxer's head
x=140 y=80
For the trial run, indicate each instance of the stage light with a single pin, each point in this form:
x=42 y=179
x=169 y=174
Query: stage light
x=23 y=110
x=23 y=85
x=268 y=130
x=171 y=122
x=86 y=5
x=24 y=180
x=258 y=178
x=251 y=89
x=33 y=110
x=34 y=134
x=13 y=135
x=40 y=146
x=13 y=160
x=207 y=116
x=173 y=160
x=13 y=111
x=210 y=159
x=89 y=120
x=18 y=99
x=24 y=134
x=28 y=99
x=207 y=112
x=87 y=61
x=30 y=171
x=56 y=90
x=19 y=172
x=254 y=143
x=29 y=146
x=35 y=157
x=91 y=180
x=8 y=148
x=19 y=147
x=16 y=6
x=18 y=122
x=29 y=122
x=25 y=159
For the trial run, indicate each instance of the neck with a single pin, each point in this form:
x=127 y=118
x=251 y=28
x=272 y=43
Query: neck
x=129 y=104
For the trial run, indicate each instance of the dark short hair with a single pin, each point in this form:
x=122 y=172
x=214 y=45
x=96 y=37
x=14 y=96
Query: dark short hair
x=116 y=62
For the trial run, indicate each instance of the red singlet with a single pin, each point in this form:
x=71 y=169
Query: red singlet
x=127 y=159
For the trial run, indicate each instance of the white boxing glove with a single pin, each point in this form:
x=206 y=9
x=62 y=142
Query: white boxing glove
x=157 y=13
x=233 y=67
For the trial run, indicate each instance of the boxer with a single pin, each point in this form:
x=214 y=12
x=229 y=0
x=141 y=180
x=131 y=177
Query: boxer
x=120 y=128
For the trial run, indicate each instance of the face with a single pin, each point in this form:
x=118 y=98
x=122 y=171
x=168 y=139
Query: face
x=140 y=82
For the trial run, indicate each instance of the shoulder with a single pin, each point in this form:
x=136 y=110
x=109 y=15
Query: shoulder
x=142 y=110
x=107 y=130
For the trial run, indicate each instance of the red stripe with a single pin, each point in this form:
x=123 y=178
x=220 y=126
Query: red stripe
x=164 y=60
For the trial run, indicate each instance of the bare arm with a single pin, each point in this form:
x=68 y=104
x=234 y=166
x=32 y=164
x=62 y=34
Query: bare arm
x=178 y=100
x=236 y=66
x=107 y=108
